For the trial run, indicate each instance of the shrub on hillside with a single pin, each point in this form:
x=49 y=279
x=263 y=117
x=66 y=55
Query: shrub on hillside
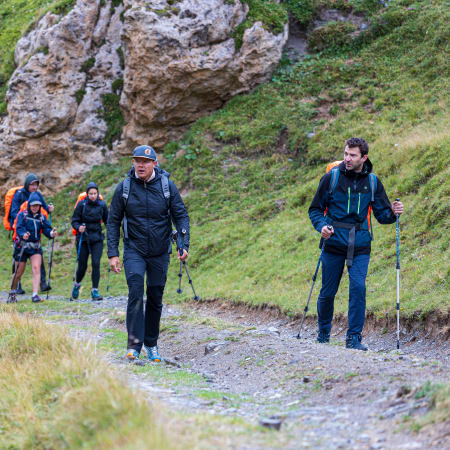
x=333 y=35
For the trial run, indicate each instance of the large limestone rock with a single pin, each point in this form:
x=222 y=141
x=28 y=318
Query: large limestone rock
x=179 y=62
x=187 y=64
x=48 y=129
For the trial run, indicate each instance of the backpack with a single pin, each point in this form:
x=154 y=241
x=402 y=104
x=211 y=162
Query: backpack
x=81 y=197
x=24 y=209
x=334 y=169
x=126 y=186
x=8 y=201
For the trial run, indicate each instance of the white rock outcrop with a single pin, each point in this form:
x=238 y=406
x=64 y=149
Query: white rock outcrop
x=177 y=60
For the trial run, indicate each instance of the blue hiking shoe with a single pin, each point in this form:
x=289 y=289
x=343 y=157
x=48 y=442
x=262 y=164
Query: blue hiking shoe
x=153 y=353
x=76 y=290
x=323 y=338
x=96 y=295
x=354 y=341
x=132 y=354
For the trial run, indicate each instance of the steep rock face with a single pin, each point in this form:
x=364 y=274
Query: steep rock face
x=187 y=65
x=64 y=66
x=178 y=62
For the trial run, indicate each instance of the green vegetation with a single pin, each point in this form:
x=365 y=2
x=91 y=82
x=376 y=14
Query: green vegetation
x=79 y=95
x=88 y=65
x=272 y=15
x=251 y=170
x=332 y=36
x=17 y=17
x=113 y=117
x=64 y=395
x=438 y=397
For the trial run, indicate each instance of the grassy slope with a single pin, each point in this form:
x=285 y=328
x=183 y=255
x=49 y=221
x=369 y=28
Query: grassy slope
x=249 y=194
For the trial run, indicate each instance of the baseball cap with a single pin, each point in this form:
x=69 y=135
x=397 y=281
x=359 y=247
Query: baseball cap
x=144 y=151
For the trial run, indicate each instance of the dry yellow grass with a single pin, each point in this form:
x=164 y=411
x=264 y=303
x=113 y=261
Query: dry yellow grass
x=55 y=394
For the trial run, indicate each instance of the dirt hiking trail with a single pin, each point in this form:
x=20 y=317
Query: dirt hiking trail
x=235 y=362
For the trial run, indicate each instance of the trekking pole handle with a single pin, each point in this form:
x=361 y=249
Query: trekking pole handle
x=398 y=236
x=181 y=249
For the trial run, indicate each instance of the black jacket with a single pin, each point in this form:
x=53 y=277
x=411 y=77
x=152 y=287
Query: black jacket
x=92 y=214
x=349 y=203
x=148 y=218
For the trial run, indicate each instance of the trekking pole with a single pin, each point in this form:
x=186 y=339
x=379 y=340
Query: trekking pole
x=398 y=276
x=322 y=246
x=76 y=262
x=180 y=275
x=196 y=297
x=174 y=237
x=107 y=283
x=15 y=272
x=180 y=251
x=49 y=250
x=50 y=263
x=180 y=248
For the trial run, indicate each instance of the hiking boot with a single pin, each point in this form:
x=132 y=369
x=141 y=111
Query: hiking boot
x=12 y=297
x=96 y=295
x=132 y=354
x=323 y=337
x=19 y=290
x=44 y=287
x=75 y=291
x=354 y=341
x=36 y=299
x=153 y=353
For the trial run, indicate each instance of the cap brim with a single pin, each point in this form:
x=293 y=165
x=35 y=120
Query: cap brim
x=146 y=157
x=36 y=203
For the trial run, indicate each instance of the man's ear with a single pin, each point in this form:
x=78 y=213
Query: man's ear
x=364 y=158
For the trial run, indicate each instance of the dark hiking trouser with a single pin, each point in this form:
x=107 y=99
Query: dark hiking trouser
x=143 y=328
x=332 y=267
x=96 y=250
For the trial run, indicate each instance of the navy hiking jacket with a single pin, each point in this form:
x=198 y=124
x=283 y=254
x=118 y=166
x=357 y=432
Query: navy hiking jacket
x=26 y=221
x=149 y=215
x=349 y=203
x=22 y=195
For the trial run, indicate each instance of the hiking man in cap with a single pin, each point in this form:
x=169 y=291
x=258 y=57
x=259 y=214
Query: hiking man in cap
x=345 y=194
x=27 y=244
x=147 y=202
x=21 y=196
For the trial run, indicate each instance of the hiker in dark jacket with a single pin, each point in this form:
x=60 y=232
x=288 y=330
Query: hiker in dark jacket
x=22 y=195
x=147 y=202
x=87 y=221
x=346 y=234
x=30 y=223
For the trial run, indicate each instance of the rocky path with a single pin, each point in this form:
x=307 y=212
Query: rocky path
x=237 y=363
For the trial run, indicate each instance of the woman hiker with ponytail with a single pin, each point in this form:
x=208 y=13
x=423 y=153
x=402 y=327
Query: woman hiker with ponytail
x=87 y=219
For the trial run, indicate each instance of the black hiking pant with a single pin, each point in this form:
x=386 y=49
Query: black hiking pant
x=95 y=249
x=143 y=327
